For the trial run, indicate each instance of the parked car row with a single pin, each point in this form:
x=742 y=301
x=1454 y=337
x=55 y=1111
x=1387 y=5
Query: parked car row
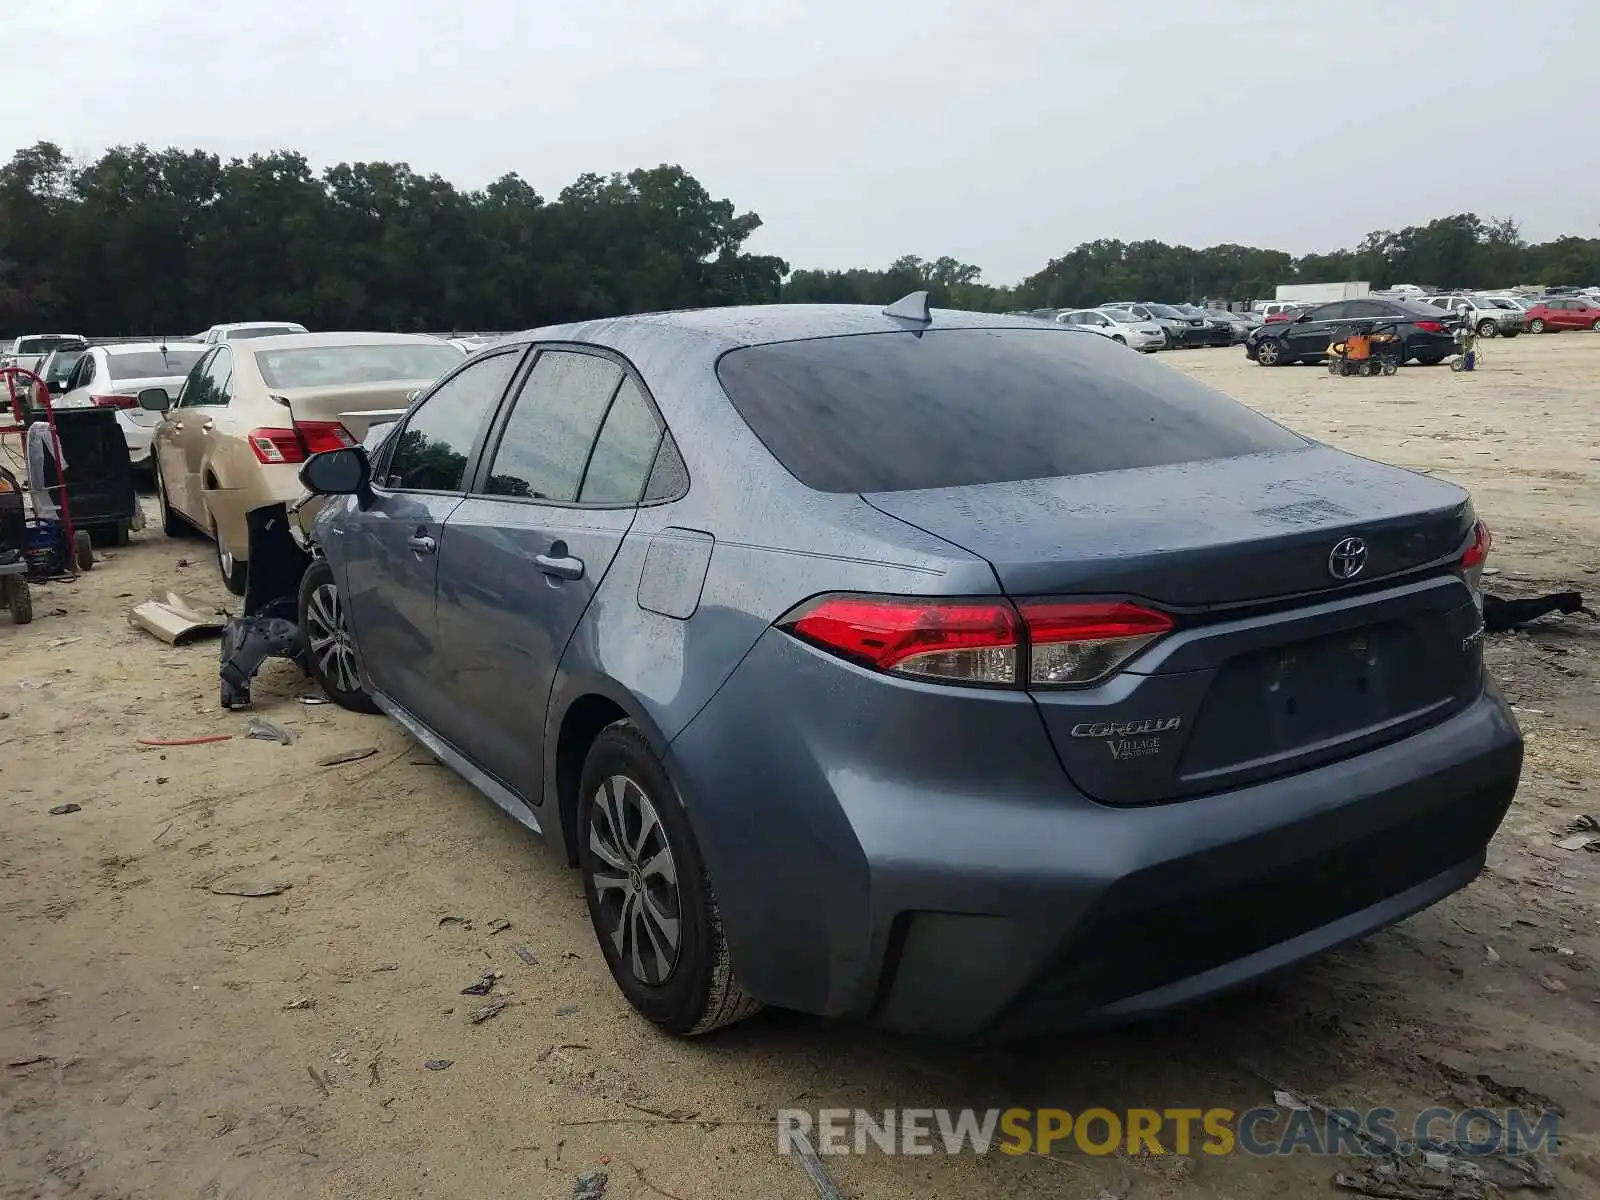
x=1149 y=326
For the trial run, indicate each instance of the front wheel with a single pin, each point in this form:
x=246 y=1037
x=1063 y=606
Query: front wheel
x=1537 y=325
x=19 y=599
x=1431 y=361
x=330 y=646
x=171 y=523
x=1595 y=327
x=1269 y=353
x=651 y=904
x=235 y=574
x=83 y=549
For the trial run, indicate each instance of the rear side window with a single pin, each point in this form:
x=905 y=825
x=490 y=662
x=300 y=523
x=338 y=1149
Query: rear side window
x=619 y=466
x=954 y=408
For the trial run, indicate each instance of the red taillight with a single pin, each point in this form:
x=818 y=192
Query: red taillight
x=275 y=446
x=114 y=401
x=1036 y=643
x=1429 y=326
x=318 y=436
x=1478 y=553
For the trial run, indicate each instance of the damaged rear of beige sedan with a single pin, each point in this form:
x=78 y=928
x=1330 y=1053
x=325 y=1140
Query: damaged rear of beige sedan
x=251 y=412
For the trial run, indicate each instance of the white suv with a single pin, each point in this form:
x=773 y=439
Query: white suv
x=1487 y=316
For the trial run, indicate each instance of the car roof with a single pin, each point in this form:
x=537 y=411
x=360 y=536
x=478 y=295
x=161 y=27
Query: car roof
x=737 y=326
x=147 y=347
x=310 y=341
x=253 y=324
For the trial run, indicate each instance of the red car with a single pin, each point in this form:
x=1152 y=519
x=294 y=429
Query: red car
x=1564 y=312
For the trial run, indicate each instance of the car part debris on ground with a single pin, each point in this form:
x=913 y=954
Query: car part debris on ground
x=175 y=619
x=591 y=1185
x=62 y=810
x=253 y=891
x=266 y=731
x=483 y=984
x=439 y=1064
x=347 y=756
x=247 y=642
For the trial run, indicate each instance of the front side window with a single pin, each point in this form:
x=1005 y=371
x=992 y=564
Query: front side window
x=546 y=443
x=430 y=454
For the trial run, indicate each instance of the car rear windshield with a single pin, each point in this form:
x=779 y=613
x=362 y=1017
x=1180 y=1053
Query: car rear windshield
x=333 y=366
x=43 y=345
x=953 y=408
x=152 y=364
x=258 y=331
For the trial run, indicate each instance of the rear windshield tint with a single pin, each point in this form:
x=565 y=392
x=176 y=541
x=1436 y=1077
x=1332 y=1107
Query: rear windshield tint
x=43 y=345
x=152 y=364
x=953 y=408
x=333 y=366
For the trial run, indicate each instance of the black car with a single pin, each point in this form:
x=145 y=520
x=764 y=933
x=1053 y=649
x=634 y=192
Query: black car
x=1213 y=329
x=1427 y=334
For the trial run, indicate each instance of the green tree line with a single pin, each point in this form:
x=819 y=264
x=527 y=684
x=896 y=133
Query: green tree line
x=143 y=241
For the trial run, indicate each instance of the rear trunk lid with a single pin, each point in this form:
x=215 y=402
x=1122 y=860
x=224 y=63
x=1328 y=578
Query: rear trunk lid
x=1276 y=663
x=356 y=406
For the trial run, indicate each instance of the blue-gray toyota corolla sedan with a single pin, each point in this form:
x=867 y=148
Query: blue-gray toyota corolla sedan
x=955 y=672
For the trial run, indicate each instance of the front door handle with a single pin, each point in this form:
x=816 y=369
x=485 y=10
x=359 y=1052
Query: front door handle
x=421 y=543
x=177 y=426
x=560 y=566
x=208 y=426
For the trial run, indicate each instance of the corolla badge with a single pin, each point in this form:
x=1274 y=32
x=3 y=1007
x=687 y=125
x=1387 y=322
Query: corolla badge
x=1347 y=559
x=1120 y=729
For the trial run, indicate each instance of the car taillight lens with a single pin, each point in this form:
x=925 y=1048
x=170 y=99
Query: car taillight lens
x=1474 y=557
x=1430 y=326
x=275 y=446
x=318 y=436
x=985 y=642
x=1071 y=645
x=114 y=401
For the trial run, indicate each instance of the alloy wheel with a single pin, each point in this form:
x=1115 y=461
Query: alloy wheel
x=1536 y=325
x=635 y=880
x=328 y=635
x=1267 y=353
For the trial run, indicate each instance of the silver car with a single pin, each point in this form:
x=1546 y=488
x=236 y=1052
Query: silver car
x=1119 y=325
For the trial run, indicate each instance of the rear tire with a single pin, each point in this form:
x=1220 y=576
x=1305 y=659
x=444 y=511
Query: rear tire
x=654 y=912
x=1269 y=353
x=235 y=574
x=330 y=644
x=1536 y=325
x=1595 y=327
x=19 y=599
x=83 y=549
x=1488 y=329
x=1431 y=361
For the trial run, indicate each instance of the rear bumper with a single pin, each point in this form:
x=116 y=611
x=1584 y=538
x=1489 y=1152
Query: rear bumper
x=922 y=862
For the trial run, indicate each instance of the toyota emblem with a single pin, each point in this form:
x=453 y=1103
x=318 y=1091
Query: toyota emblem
x=1347 y=559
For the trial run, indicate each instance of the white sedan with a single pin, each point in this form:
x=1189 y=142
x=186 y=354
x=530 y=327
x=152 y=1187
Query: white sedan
x=113 y=376
x=1119 y=325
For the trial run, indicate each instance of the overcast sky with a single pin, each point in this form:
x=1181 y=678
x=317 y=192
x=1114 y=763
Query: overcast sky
x=1002 y=132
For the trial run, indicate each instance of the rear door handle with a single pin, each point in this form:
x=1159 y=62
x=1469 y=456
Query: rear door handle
x=560 y=566
x=421 y=543
x=208 y=426
x=177 y=426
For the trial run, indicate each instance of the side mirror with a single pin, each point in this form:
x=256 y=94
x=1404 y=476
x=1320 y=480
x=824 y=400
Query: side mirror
x=342 y=472
x=154 y=399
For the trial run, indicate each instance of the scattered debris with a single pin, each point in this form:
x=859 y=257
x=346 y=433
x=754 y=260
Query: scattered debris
x=247 y=642
x=251 y=890
x=452 y=919
x=374 y=1079
x=63 y=641
x=1580 y=841
x=192 y=741
x=30 y=1062
x=1500 y=614
x=525 y=955
x=492 y=1009
x=175 y=619
x=1290 y=1101
x=300 y=1005
x=1491 y=956
x=670 y=1114
x=566 y=1010
x=1551 y=984
x=266 y=731
x=310 y=698
x=1583 y=823
x=499 y=925
x=62 y=810
x=385 y=967
x=439 y=1064
x=324 y=1084
x=591 y=1185
x=483 y=985
x=825 y=1186
x=549 y=1050
x=347 y=756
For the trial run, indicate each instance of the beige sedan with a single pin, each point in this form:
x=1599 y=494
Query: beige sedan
x=251 y=412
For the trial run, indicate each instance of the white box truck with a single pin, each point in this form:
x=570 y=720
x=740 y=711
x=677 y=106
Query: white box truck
x=1322 y=293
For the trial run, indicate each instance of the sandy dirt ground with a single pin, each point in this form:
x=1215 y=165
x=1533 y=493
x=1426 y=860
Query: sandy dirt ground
x=159 y=1039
